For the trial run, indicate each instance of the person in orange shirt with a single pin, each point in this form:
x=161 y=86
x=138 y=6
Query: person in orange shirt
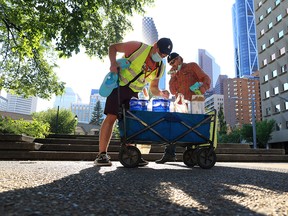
x=146 y=66
x=184 y=76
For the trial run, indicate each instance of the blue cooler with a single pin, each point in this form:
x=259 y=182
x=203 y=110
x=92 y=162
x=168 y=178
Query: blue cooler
x=160 y=105
x=138 y=104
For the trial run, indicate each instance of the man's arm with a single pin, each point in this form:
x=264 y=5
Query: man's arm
x=155 y=89
x=127 y=48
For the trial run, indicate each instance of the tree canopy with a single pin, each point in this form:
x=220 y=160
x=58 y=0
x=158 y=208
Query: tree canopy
x=34 y=33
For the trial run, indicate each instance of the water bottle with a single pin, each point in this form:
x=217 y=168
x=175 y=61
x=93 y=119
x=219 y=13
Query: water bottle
x=160 y=105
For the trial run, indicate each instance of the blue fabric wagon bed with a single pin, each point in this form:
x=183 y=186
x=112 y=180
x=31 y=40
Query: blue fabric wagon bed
x=195 y=132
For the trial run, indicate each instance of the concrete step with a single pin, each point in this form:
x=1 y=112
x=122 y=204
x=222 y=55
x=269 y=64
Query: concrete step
x=86 y=148
x=90 y=156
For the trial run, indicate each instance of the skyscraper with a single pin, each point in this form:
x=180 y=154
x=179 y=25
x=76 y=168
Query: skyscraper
x=271 y=24
x=209 y=66
x=65 y=101
x=19 y=104
x=150 y=36
x=245 y=44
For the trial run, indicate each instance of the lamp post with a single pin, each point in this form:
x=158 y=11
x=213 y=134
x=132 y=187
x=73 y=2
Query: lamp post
x=76 y=119
x=253 y=123
x=253 y=119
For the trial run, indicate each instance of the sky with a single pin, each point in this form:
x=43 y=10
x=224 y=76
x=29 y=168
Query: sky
x=190 y=24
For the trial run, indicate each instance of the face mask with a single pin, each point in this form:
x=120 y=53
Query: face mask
x=156 y=57
x=179 y=67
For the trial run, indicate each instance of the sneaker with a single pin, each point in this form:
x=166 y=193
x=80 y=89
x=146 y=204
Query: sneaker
x=143 y=162
x=166 y=158
x=102 y=160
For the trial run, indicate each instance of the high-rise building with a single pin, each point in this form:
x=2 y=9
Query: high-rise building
x=149 y=31
x=271 y=25
x=242 y=99
x=219 y=87
x=207 y=62
x=65 y=101
x=150 y=36
x=20 y=104
x=244 y=32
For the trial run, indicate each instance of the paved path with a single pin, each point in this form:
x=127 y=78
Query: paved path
x=79 y=188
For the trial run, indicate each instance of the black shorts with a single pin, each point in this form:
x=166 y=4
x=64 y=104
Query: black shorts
x=112 y=104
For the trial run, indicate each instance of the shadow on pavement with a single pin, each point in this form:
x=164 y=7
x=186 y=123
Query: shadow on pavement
x=150 y=191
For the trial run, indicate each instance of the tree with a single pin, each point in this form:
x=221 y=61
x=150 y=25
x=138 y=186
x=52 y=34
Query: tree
x=62 y=122
x=263 y=131
x=97 y=114
x=222 y=122
x=32 y=30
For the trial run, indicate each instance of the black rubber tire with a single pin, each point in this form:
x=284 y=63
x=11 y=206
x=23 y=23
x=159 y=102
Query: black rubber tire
x=129 y=156
x=206 y=158
x=190 y=157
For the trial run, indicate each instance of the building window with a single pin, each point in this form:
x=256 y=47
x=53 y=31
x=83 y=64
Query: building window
x=270 y=25
x=268 y=111
x=263 y=47
x=278 y=126
x=262 y=32
x=274 y=73
x=285 y=86
x=282 y=51
x=264 y=62
x=277 y=2
x=266 y=78
x=279 y=18
x=284 y=68
x=281 y=34
x=267 y=94
x=271 y=41
x=261 y=18
x=286 y=105
x=273 y=57
x=277 y=108
x=259 y=4
x=269 y=10
x=276 y=90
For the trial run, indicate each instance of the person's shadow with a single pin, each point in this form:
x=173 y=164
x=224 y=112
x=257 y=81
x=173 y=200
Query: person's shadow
x=152 y=190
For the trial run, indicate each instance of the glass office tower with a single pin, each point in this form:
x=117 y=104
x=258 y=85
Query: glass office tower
x=245 y=44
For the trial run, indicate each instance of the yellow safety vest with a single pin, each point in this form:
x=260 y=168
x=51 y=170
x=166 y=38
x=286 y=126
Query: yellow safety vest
x=137 y=65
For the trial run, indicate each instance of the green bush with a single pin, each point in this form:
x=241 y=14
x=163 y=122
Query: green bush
x=33 y=128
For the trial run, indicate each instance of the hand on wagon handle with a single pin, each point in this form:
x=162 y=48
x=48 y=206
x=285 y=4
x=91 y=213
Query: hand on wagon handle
x=165 y=94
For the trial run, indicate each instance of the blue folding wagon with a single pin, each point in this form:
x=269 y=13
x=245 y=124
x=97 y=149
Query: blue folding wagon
x=195 y=132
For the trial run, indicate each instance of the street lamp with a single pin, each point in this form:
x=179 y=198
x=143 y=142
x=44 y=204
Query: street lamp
x=76 y=119
x=253 y=119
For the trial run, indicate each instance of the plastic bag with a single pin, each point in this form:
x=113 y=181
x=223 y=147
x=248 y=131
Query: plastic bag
x=198 y=104
x=180 y=105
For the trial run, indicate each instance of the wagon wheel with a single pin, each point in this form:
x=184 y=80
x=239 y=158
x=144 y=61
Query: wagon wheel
x=206 y=158
x=129 y=156
x=190 y=157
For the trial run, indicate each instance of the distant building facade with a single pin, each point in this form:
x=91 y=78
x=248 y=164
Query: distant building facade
x=241 y=95
x=271 y=25
x=244 y=33
x=65 y=101
x=207 y=62
x=21 y=105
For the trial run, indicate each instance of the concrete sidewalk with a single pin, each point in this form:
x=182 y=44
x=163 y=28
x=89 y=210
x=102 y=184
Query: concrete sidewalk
x=80 y=188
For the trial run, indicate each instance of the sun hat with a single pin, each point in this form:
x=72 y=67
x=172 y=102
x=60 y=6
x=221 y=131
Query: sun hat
x=165 y=45
x=111 y=79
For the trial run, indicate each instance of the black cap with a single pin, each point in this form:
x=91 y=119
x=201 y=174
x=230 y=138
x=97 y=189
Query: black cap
x=172 y=56
x=165 y=45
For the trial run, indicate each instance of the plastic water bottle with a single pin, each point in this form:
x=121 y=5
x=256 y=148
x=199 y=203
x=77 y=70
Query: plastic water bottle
x=160 y=105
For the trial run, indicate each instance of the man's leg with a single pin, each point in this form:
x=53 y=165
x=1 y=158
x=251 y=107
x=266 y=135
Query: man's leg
x=169 y=154
x=104 y=140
